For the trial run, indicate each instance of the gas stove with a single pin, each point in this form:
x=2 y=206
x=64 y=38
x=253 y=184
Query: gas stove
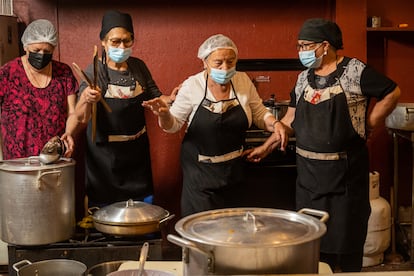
x=95 y=248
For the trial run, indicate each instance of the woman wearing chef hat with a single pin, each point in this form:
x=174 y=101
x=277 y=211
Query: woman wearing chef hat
x=218 y=104
x=118 y=165
x=328 y=113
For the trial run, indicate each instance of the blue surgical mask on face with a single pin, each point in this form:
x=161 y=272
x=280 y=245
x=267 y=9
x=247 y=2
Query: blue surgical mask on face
x=309 y=59
x=119 y=54
x=222 y=76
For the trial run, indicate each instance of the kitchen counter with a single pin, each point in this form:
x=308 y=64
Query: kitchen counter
x=176 y=268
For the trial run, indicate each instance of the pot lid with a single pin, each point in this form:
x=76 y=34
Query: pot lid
x=250 y=226
x=33 y=163
x=130 y=212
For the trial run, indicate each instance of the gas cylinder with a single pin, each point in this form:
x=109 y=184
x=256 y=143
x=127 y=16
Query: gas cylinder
x=379 y=225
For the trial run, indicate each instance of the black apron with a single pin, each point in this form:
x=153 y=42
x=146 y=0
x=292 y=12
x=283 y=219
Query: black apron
x=118 y=171
x=340 y=187
x=208 y=186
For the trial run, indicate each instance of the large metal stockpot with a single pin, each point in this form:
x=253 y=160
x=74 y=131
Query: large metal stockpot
x=129 y=218
x=250 y=241
x=37 y=201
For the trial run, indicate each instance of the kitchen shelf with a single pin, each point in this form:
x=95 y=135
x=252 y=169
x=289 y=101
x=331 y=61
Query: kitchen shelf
x=390 y=29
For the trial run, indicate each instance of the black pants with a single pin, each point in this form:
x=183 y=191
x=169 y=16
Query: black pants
x=345 y=262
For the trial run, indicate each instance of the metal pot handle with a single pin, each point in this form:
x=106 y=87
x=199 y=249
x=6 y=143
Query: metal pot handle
x=185 y=244
x=324 y=215
x=92 y=210
x=42 y=174
x=21 y=264
x=408 y=110
x=166 y=219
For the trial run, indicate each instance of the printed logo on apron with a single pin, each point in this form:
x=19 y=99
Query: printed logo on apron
x=123 y=92
x=315 y=96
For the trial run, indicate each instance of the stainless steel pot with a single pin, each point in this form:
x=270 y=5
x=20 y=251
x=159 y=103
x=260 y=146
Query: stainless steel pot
x=61 y=267
x=129 y=218
x=402 y=117
x=111 y=268
x=250 y=241
x=105 y=268
x=37 y=201
x=135 y=272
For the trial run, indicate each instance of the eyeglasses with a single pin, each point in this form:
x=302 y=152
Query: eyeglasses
x=115 y=42
x=306 y=46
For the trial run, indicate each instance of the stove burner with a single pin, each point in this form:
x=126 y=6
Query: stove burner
x=93 y=248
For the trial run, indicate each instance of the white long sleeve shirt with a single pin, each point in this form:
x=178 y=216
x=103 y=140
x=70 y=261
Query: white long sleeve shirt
x=192 y=93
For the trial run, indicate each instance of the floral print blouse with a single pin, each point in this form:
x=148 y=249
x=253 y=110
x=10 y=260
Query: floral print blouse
x=30 y=116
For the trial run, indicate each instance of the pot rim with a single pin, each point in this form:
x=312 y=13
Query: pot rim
x=33 y=163
x=27 y=265
x=316 y=227
x=109 y=223
x=95 y=266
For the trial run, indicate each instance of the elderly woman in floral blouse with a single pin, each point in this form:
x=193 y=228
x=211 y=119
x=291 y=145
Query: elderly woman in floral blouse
x=36 y=94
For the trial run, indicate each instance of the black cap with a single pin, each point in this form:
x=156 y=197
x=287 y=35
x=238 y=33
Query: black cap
x=113 y=19
x=319 y=29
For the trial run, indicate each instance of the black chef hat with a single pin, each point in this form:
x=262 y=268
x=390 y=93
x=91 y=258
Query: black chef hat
x=319 y=29
x=113 y=19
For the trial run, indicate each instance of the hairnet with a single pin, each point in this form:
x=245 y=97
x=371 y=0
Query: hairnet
x=113 y=19
x=213 y=43
x=319 y=29
x=40 y=31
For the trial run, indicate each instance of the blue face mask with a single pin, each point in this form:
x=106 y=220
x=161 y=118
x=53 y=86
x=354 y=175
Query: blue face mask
x=309 y=59
x=222 y=76
x=119 y=54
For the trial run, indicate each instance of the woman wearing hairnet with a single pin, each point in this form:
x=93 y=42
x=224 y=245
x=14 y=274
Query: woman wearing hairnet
x=218 y=105
x=118 y=164
x=329 y=114
x=36 y=94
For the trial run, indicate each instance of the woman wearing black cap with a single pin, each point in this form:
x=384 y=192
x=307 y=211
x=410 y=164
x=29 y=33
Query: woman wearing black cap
x=118 y=163
x=328 y=114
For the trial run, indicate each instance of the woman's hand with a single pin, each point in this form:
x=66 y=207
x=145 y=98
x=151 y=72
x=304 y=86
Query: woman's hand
x=69 y=144
x=280 y=133
x=174 y=93
x=92 y=95
x=157 y=106
x=257 y=154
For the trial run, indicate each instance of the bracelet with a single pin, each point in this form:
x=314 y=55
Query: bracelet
x=274 y=122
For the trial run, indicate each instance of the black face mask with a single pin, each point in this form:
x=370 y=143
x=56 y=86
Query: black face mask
x=38 y=60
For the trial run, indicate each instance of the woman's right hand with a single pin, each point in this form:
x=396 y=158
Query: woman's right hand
x=157 y=106
x=92 y=95
x=69 y=144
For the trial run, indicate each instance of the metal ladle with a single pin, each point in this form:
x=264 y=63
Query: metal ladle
x=52 y=150
x=143 y=258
